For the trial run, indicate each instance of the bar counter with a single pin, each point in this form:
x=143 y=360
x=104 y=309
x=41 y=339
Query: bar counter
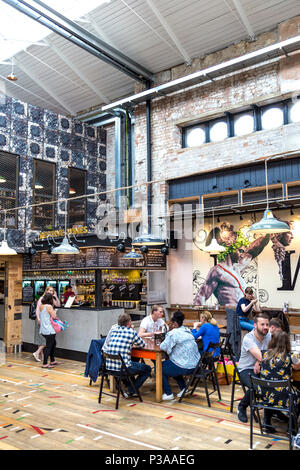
x=85 y=324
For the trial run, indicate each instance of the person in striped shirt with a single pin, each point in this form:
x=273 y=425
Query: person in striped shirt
x=121 y=339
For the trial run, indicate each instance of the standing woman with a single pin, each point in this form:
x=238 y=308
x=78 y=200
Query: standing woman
x=46 y=329
x=208 y=330
x=39 y=340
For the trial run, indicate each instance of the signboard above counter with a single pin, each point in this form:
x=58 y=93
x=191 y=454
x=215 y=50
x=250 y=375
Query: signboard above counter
x=98 y=257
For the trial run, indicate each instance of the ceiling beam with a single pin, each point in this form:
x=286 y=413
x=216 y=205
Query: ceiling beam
x=77 y=71
x=74 y=33
x=242 y=17
x=167 y=27
x=32 y=75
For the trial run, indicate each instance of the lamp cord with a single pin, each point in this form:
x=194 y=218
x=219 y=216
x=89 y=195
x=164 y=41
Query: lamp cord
x=267 y=191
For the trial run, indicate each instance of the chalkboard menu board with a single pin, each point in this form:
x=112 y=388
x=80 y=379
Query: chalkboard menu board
x=27 y=294
x=98 y=257
x=47 y=261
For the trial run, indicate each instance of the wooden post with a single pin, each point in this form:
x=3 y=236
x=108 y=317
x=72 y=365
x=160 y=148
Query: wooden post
x=12 y=301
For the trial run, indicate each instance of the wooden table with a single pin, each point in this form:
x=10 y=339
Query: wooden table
x=152 y=351
x=190 y=323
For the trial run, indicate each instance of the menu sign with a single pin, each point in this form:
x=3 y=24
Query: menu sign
x=98 y=257
x=91 y=257
x=27 y=294
x=48 y=261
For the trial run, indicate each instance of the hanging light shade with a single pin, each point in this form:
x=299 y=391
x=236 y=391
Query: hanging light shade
x=214 y=248
x=6 y=250
x=132 y=254
x=2 y=179
x=148 y=240
x=38 y=185
x=72 y=191
x=269 y=224
x=65 y=248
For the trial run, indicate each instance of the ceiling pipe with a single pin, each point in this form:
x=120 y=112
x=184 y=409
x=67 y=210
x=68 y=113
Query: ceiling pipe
x=82 y=38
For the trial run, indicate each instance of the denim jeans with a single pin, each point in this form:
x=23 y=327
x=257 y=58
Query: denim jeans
x=142 y=370
x=246 y=324
x=169 y=369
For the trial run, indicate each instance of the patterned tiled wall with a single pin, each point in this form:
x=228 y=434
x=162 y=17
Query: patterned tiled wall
x=33 y=132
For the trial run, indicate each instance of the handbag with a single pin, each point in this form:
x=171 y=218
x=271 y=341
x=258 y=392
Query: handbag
x=58 y=324
x=32 y=310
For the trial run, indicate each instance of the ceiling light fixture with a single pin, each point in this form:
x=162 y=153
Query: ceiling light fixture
x=12 y=77
x=269 y=224
x=214 y=248
x=2 y=179
x=65 y=248
x=4 y=248
x=132 y=254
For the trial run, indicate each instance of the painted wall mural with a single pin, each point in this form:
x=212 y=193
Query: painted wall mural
x=268 y=263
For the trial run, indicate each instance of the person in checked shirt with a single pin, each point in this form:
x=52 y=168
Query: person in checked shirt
x=121 y=339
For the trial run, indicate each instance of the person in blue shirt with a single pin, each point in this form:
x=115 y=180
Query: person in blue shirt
x=244 y=309
x=183 y=354
x=208 y=330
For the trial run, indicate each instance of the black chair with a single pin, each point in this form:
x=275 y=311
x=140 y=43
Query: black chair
x=121 y=375
x=205 y=369
x=258 y=402
x=225 y=351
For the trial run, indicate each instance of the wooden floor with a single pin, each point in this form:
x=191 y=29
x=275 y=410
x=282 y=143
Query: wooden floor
x=57 y=409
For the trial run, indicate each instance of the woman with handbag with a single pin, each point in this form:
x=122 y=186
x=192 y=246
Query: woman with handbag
x=39 y=339
x=46 y=313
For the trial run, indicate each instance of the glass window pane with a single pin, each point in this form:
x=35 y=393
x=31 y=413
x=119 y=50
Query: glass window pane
x=295 y=112
x=218 y=131
x=272 y=117
x=76 y=209
x=195 y=137
x=8 y=187
x=43 y=191
x=243 y=124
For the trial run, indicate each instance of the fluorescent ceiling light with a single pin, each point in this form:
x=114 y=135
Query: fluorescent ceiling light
x=17 y=31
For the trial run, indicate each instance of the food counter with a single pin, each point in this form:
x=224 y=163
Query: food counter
x=85 y=324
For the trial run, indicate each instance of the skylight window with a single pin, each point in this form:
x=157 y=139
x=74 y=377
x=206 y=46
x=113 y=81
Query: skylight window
x=18 y=31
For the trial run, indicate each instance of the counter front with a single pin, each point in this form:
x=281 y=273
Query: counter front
x=84 y=325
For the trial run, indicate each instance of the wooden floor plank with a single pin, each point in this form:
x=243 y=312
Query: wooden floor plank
x=58 y=409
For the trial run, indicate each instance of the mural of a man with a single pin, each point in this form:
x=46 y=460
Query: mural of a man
x=225 y=279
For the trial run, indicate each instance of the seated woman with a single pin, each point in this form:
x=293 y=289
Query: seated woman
x=183 y=354
x=244 y=308
x=208 y=330
x=277 y=364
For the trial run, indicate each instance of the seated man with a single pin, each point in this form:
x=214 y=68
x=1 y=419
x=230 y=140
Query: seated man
x=253 y=344
x=153 y=323
x=244 y=308
x=275 y=324
x=121 y=340
x=183 y=353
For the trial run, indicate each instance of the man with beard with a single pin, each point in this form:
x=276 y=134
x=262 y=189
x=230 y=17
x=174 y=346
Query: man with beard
x=253 y=344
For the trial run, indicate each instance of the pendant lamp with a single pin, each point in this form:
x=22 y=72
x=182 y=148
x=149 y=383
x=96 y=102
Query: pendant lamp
x=132 y=254
x=65 y=248
x=147 y=239
x=5 y=250
x=214 y=248
x=269 y=224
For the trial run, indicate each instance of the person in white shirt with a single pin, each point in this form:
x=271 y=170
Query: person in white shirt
x=153 y=323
